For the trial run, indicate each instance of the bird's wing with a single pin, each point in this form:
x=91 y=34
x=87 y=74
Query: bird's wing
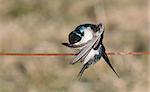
x=86 y=49
x=75 y=46
x=70 y=45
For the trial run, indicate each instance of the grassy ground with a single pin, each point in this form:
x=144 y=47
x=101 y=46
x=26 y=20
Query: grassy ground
x=40 y=26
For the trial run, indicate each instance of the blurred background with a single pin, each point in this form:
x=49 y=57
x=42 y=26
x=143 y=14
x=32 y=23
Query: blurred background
x=40 y=26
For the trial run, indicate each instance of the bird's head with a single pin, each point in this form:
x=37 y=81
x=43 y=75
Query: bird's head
x=82 y=34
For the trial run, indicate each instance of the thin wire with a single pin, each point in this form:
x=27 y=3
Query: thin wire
x=69 y=54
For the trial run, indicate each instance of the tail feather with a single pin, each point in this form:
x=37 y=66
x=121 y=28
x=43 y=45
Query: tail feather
x=82 y=71
x=104 y=55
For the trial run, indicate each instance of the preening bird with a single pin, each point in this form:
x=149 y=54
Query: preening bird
x=88 y=38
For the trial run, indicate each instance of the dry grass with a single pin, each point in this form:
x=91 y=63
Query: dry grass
x=39 y=26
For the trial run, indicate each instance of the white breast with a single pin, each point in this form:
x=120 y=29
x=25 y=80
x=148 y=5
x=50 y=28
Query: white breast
x=90 y=55
x=88 y=35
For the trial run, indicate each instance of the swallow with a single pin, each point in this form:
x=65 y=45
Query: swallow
x=88 y=38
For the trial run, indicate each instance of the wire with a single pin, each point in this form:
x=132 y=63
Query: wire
x=68 y=54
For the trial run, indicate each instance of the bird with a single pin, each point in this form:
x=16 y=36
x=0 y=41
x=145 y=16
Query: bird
x=88 y=39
